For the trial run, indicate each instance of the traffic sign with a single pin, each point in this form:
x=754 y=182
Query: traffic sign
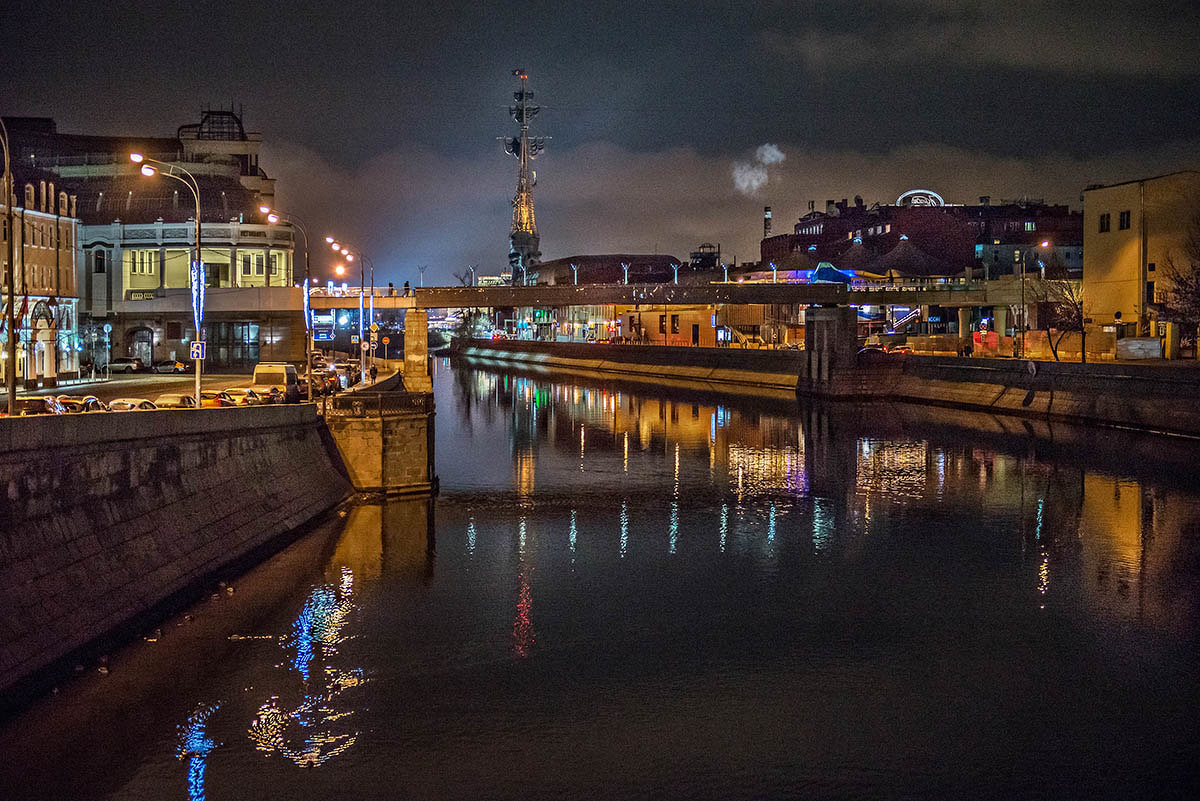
x=374 y=345
x=387 y=340
x=198 y=349
x=374 y=327
x=364 y=347
x=354 y=339
x=108 y=328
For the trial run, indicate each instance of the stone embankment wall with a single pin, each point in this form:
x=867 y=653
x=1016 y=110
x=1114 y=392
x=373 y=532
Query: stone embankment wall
x=1156 y=398
x=713 y=368
x=105 y=517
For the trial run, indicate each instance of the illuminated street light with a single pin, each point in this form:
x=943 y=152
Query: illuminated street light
x=625 y=267
x=725 y=267
x=329 y=239
x=334 y=245
x=340 y=270
x=575 y=273
x=675 y=267
x=152 y=167
x=274 y=217
x=774 y=273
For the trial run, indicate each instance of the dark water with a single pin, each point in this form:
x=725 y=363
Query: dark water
x=625 y=594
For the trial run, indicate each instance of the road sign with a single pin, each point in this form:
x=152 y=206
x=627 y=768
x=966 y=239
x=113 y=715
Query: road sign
x=108 y=328
x=387 y=340
x=354 y=339
x=198 y=350
x=374 y=336
x=374 y=345
x=364 y=347
x=374 y=327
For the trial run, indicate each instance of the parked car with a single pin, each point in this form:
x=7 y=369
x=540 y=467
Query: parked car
x=211 y=399
x=244 y=396
x=131 y=405
x=79 y=405
x=169 y=366
x=278 y=376
x=27 y=407
x=126 y=364
x=175 y=400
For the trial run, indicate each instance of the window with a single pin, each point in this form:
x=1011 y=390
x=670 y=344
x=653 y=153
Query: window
x=245 y=264
x=1105 y=223
x=1123 y=220
x=258 y=264
x=274 y=264
x=98 y=258
x=1030 y=226
x=662 y=323
x=1150 y=267
x=1149 y=291
x=674 y=323
x=174 y=330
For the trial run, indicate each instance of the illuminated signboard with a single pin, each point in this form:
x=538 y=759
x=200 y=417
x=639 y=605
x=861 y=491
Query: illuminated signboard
x=323 y=326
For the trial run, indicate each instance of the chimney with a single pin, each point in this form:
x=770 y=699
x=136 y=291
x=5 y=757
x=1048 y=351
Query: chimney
x=766 y=221
x=812 y=204
x=858 y=202
x=985 y=200
x=831 y=208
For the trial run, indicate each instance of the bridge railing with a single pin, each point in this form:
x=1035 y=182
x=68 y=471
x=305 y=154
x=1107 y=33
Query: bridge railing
x=379 y=404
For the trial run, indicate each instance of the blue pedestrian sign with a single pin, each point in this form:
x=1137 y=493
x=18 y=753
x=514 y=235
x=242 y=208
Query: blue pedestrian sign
x=198 y=351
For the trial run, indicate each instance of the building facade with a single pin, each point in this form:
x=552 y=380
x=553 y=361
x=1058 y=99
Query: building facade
x=137 y=237
x=44 y=235
x=1131 y=229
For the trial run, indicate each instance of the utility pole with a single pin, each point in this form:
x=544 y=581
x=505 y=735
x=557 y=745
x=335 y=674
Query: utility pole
x=10 y=375
x=421 y=272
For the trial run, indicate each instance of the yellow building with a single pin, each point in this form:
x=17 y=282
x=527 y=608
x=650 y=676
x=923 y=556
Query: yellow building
x=1130 y=230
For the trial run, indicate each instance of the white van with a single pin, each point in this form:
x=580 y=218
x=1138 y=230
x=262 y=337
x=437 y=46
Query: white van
x=277 y=378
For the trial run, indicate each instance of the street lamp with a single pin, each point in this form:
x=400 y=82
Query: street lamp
x=675 y=267
x=575 y=273
x=151 y=167
x=1045 y=243
x=274 y=217
x=725 y=268
x=625 y=267
x=10 y=376
x=350 y=254
x=774 y=273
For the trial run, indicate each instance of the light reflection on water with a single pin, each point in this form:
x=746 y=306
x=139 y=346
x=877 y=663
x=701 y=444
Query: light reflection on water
x=622 y=594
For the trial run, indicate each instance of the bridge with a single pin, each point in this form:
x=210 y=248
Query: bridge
x=953 y=295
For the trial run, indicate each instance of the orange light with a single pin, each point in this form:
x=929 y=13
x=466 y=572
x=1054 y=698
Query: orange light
x=340 y=270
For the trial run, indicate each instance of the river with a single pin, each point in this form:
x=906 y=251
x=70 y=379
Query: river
x=626 y=592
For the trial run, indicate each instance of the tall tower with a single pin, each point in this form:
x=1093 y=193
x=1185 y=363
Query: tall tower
x=523 y=253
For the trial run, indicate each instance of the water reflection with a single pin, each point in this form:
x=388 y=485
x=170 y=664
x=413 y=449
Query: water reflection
x=835 y=480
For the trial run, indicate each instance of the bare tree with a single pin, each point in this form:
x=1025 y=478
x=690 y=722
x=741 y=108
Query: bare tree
x=1063 y=309
x=1179 y=300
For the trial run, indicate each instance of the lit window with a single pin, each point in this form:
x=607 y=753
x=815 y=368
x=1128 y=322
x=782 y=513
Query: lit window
x=245 y=264
x=258 y=264
x=1030 y=226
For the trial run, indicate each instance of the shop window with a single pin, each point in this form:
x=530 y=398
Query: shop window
x=674 y=323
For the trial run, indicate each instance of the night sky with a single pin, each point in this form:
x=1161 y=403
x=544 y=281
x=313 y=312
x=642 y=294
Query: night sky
x=380 y=120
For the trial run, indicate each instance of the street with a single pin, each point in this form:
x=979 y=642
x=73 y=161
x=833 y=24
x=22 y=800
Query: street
x=143 y=385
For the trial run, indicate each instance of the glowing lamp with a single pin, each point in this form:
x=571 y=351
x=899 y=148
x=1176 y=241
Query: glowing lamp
x=264 y=209
x=272 y=217
x=136 y=158
x=329 y=239
x=148 y=170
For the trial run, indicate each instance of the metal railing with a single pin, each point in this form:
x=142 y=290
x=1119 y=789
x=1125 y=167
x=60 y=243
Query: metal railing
x=379 y=404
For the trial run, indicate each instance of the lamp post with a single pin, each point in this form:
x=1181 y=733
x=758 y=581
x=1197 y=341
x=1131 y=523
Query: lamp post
x=675 y=267
x=10 y=375
x=725 y=268
x=625 y=267
x=350 y=254
x=151 y=167
x=1024 y=311
x=774 y=273
x=273 y=217
x=471 y=269
x=575 y=273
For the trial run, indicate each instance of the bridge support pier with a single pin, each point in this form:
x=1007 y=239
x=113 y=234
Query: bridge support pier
x=830 y=344
x=1000 y=320
x=416 y=351
x=964 y=322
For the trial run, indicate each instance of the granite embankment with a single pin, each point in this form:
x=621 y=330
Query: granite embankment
x=1156 y=398
x=770 y=371
x=106 y=518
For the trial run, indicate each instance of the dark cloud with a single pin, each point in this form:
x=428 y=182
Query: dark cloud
x=380 y=119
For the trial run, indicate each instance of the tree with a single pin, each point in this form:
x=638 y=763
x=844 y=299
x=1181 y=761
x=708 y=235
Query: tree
x=1178 y=301
x=1062 y=307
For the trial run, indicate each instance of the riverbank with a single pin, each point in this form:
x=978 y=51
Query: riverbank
x=1147 y=398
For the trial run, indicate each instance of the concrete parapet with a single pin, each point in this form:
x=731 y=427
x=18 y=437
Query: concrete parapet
x=385 y=441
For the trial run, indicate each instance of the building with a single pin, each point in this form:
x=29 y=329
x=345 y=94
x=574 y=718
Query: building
x=44 y=233
x=138 y=233
x=921 y=237
x=607 y=269
x=1131 y=229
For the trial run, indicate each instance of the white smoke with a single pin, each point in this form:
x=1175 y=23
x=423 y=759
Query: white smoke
x=751 y=176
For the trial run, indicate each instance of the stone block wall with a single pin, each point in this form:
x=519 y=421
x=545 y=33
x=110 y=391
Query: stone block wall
x=103 y=517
